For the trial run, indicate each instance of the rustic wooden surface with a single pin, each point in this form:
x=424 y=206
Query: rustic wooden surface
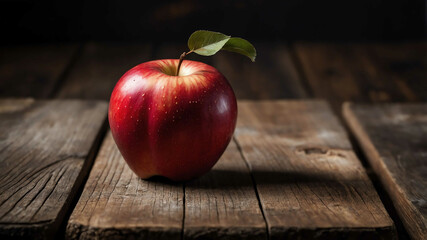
x=394 y=138
x=404 y=65
x=46 y=149
x=223 y=203
x=33 y=71
x=310 y=182
x=364 y=72
x=99 y=67
x=335 y=72
x=116 y=204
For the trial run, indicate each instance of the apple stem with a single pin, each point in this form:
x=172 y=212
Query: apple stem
x=181 y=58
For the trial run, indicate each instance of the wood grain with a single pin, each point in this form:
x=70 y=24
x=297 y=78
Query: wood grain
x=46 y=149
x=394 y=139
x=405 y=65
x=116 y=204
x=33 y=71
x=272 y=76
x=310 y=182
x=364 y=72
x=99 y=68
x=223 y=203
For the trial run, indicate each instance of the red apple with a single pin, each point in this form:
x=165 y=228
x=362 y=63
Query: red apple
x=172 y=126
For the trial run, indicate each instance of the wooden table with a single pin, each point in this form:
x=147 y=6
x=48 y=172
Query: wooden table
x=292 y=170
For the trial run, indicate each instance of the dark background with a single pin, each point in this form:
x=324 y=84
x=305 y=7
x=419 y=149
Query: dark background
x=24 y=21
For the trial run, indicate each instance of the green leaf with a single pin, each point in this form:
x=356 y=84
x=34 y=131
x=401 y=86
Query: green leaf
x=242 y=46
x=207 y=43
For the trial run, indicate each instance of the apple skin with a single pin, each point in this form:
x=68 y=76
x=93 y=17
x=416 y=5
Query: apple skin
x=172 y=126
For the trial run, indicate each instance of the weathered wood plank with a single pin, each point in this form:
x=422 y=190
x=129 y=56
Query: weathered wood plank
x=223 y=203
x=364 y=72
x=46 y=149
x=99 y=68
x=116 y=204
x=33 y=71
x=272 y=76
x=405 y=65
x=394 y=139
x=310 y=182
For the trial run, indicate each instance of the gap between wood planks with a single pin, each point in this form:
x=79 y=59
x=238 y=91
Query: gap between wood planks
x=59 y=85
x=379 y=187
x=385 y=198
x=239 y=148
x=391 y=136
x=89 y=160
x=28 y=127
